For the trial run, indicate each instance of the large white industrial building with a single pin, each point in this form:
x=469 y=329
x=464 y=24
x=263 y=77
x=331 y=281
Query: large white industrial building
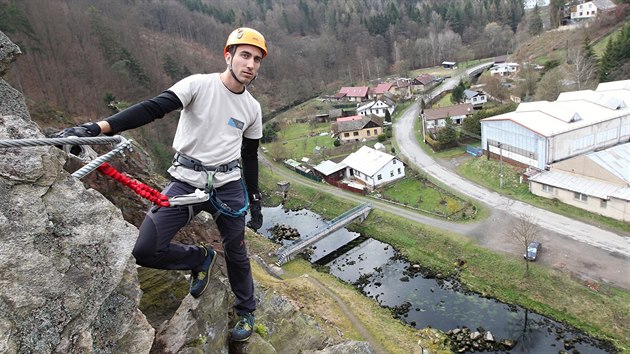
x=578 y=146
x=540 y=133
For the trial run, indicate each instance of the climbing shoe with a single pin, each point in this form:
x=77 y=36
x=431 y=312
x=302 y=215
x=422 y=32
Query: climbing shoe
x=199 y=280
x=244 y=328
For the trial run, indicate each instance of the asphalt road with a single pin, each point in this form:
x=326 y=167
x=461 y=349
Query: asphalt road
x=569 y=245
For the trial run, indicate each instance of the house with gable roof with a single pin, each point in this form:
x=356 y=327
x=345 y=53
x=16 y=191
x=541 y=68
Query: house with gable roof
x=475 y=97
x=591 y=9
x=423 y=82
x=435 y=118
x=377 y=107
x=383 y=88
x=358 y=128
x=353 y=94
x=373 y=168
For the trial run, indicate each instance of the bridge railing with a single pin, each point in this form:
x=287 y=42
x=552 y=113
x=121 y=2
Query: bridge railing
x=286 y=253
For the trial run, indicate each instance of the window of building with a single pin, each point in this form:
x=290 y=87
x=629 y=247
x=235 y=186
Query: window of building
x=375 y=132
x=368 y=133
x=603 y=203
x=579 y=196
x=394 y=161
x=346 y=134
x=547 y=188
x=355 y=133
x=391 y=173
x=379 y=177
x=399 y=172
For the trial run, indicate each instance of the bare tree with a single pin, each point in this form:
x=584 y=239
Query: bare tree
x=580 y=68
x=524 y=231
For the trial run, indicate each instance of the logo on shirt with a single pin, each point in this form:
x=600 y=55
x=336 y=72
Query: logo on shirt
x=236 y=123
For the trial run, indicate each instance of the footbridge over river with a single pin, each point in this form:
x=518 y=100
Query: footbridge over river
x=360 y=212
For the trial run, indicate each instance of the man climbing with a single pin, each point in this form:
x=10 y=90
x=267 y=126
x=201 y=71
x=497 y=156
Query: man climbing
x=220 y=124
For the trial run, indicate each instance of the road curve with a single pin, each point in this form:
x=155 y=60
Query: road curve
x=577 y=230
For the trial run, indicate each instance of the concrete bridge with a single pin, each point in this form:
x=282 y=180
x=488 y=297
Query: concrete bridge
x=359 y=212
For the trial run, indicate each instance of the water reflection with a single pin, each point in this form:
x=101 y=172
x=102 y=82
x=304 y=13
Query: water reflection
x=381 y=274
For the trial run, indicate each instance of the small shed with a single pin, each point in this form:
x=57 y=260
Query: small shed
x=449 y=65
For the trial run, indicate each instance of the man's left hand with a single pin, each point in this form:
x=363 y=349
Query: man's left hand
x=255 y=209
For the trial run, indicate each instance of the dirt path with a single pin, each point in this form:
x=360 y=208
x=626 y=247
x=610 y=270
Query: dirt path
x=350 y=315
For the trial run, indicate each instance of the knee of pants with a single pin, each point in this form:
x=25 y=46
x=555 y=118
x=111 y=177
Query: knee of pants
x=145 y=250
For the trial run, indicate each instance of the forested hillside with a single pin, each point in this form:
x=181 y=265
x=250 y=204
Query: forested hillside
x=82 y=55
x=78 y=52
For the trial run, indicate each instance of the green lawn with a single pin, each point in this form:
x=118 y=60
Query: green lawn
x=419 y=193
x=486 y=173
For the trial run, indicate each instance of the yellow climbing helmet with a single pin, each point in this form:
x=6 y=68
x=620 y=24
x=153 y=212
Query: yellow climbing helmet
x=245 y=35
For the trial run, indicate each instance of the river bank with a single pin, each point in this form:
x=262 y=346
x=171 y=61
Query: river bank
x=598 y=309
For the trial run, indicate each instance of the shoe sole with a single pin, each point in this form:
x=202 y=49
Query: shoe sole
x=214 y=258
x=241 y=340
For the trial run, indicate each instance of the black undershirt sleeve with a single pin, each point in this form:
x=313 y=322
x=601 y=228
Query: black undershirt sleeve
x=249 y=155
x=144 y=112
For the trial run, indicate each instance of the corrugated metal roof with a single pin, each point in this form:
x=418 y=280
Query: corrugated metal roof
x=614 y=85
x=367 y=160
x=581 y=184
x=616 y=160
x=599 y=98
x=329 y=167
x=552 y=118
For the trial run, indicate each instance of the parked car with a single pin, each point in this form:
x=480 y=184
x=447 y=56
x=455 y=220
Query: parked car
x=533 y=250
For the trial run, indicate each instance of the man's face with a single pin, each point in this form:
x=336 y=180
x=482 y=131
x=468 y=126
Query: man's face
x=246 y=61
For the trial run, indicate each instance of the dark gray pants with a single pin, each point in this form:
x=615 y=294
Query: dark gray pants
x=154 y=248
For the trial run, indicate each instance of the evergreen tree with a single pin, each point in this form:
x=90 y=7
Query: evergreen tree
x=458 y=92
x=447 y=136
x=615 y=61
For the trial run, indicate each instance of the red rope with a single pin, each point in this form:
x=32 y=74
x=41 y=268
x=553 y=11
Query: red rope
x=141 y=189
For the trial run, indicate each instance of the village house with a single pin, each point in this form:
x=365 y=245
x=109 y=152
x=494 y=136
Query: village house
x=530 y=4
x=358 y=128
x=377 y=107
x=504 y=69
x=373 y=168
x=591 y=9
x=353 y=94
x=435 y=118
x=475 y=97
x=402 y=87
x=383 y=88
x=423 y=82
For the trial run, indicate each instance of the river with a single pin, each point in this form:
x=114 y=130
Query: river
x=379 y=272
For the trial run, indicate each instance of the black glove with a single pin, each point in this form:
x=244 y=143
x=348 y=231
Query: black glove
x=86 y=130
x=255 y=209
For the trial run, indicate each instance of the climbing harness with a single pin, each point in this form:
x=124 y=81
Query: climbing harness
x=188 y=162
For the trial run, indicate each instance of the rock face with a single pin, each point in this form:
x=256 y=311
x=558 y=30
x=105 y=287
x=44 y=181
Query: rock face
x=68 y=283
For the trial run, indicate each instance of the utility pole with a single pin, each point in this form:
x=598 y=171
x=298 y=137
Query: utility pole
x=500 y=165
